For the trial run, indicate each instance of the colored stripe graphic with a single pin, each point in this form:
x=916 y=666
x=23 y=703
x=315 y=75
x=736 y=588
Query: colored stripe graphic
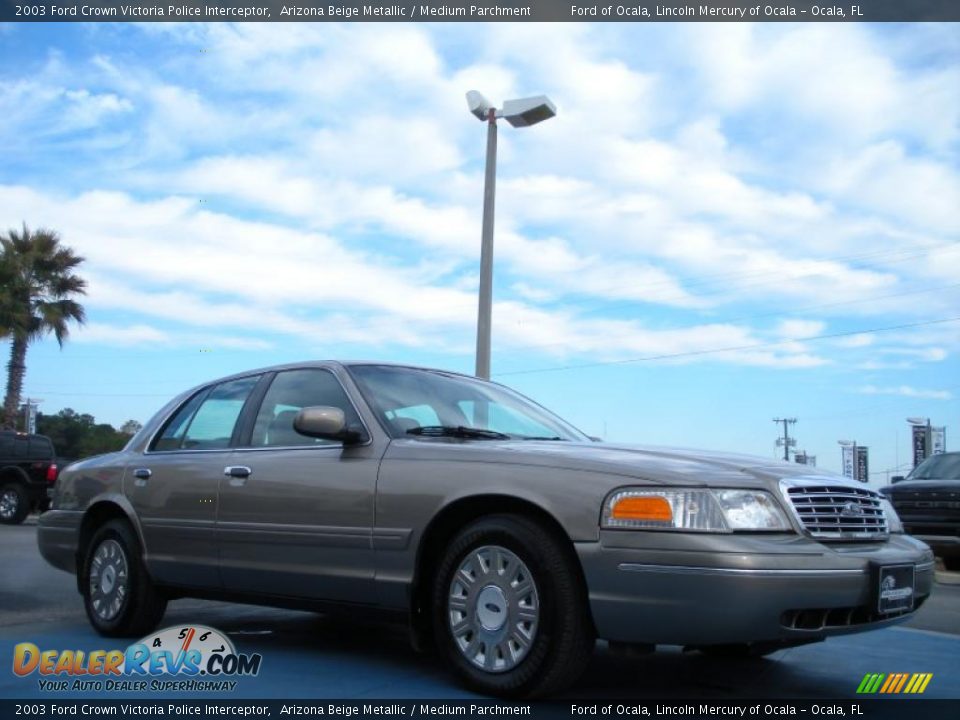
x=894 y=683
x=870 y=683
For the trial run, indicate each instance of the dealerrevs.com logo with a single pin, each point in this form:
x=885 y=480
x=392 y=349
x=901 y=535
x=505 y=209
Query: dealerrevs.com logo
x=181 y=658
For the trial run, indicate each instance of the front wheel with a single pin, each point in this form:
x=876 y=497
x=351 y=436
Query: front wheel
x=510 y=609
x=118 y=594
x=14 y=504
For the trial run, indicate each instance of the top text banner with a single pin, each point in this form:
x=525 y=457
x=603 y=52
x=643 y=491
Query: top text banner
x=476 y=11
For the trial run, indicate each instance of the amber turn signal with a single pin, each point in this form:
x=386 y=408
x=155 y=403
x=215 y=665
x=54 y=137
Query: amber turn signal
x=644 y=507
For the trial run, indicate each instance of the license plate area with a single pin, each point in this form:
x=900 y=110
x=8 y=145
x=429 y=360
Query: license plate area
x=894 y=588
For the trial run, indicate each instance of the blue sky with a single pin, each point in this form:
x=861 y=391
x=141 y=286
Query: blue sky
x=671 y=249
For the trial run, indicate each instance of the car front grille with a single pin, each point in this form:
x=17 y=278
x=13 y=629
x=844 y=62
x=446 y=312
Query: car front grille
x=839 y=512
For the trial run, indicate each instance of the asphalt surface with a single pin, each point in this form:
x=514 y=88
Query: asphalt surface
x=306 y=655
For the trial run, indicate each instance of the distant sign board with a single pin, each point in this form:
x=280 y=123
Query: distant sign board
x=849 y=467
x=919 y=444
x=863 y=468
x=939 y=440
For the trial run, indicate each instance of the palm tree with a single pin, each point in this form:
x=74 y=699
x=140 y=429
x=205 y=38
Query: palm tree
x=37 y=286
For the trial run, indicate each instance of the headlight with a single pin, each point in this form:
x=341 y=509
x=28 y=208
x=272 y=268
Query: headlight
x=893 y=520
x=697 y=510
x=751 y=510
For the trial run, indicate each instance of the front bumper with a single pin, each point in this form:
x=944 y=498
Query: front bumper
x=703 y=589
x=945 y=541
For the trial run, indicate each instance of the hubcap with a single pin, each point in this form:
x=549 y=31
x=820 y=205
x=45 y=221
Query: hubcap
x=493 y=609
x=9 y=503
x=108 y=579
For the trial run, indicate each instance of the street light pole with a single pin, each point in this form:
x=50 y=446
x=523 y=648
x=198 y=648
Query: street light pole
x=519 y=113
x=484 y=310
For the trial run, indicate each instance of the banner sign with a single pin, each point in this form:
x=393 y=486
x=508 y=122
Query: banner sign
x=938 y=440
x=848 y=464
x=863 y=470
x=919 y=444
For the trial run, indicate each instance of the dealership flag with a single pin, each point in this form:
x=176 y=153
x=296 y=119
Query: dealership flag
x=939 y=440
x=863 y=469
x=919 y=444
x=848 y=467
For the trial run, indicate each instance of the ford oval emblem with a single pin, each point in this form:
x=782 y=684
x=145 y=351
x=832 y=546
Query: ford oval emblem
x=851 y=509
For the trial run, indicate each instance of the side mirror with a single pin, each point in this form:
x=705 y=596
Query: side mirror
x=594 y=438
x=328 y=423
x=897 y=478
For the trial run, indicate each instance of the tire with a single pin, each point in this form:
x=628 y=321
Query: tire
x=14 y=503
x=510 y=609
x=951 y=563
x=118 y=594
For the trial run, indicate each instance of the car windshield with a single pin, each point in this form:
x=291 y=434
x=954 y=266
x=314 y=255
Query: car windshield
x=938 y=467
x=409 y=400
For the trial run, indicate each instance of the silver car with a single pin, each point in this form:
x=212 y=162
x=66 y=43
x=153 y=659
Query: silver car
x=508 y=538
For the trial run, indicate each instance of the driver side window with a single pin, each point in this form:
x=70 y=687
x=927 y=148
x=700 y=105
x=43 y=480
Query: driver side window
x=289 y=392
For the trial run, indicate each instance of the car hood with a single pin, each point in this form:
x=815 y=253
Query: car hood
x=920 y=486
x=661 y=465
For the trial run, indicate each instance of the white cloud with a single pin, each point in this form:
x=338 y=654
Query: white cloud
x=856 y=341
x=906 y=391
x=800 y=329
x=131 y=335
x=327 y=183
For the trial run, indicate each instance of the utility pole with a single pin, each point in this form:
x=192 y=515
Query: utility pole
x=786 y=440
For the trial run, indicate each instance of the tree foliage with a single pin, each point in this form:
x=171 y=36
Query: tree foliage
x=78 y=435
x=37 y=290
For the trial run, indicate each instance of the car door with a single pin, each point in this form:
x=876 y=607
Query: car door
x=296 y=514
x=173 y=485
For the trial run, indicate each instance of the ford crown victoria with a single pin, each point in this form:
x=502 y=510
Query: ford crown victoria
x=507 y=537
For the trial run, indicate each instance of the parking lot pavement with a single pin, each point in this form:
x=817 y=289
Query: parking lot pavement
x=371 y=660
x=306 y=655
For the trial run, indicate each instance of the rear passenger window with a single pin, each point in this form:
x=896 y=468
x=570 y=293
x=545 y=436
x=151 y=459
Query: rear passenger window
x=41 y=447
x=172 y=436
x=208 y=420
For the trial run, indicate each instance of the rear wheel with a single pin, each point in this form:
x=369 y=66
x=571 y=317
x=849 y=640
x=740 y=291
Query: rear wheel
x=510 y=609
x=118 y=594
x=14 y=504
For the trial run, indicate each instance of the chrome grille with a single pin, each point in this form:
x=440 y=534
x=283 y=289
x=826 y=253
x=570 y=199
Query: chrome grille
x=838 y=512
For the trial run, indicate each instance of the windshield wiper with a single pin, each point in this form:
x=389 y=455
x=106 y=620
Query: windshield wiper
x=457 y=431
x=540 y=437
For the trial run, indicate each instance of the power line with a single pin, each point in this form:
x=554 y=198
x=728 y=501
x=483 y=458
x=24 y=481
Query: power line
x=735 y=348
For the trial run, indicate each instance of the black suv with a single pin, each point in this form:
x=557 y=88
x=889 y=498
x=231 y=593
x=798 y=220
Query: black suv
x=27 y=468
x=928 y=503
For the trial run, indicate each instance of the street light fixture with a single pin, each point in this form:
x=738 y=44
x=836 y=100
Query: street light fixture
x=522 y=112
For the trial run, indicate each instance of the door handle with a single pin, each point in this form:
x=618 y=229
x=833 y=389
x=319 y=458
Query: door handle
x=237 y=471
x=141 y=476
